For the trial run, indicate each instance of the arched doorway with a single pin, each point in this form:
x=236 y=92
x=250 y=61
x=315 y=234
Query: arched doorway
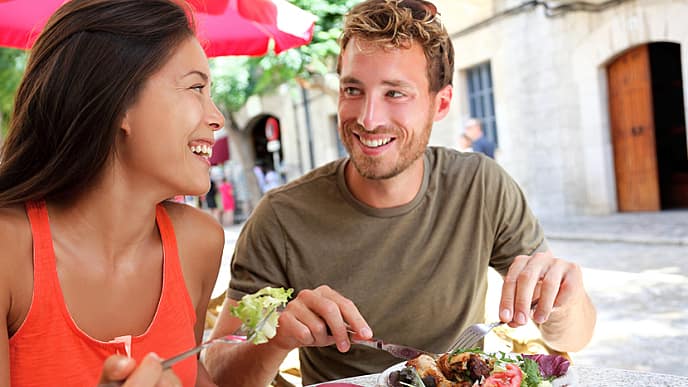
x=267 y=141
x=265 y=131
x=648 y=129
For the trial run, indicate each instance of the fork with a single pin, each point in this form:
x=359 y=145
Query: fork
x=169 y=362
x=229 y=339
x=175 y=359
x=472 y=334
x=475 y=332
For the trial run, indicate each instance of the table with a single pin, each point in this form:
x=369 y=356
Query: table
x=587 y=377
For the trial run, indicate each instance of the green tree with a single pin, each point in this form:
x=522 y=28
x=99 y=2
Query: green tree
x=238 y=78
x=12 y=63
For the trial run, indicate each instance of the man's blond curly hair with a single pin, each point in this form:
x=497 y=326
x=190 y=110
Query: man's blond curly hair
x=396 y=24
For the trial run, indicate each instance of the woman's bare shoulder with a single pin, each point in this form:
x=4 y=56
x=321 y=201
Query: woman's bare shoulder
x=16 y=263
x=196 y=230
x=187 y=218
x=15 y=232
x=200 y=240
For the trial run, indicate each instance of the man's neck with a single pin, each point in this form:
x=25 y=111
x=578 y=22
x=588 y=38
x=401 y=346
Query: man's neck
x=386 y=193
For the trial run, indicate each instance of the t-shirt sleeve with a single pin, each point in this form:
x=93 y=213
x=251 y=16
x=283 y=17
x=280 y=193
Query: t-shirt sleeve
x=259 y=254
x=517 y=231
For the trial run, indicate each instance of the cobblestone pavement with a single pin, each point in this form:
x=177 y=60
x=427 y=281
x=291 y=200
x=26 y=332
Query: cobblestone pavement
x=665 y=227
x=635 y=268
x=641 y=295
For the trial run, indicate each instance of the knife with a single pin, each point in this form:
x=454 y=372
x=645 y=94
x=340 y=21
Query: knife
x=399 y=351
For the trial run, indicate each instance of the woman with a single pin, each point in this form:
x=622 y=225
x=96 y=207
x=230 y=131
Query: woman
x=211 y=202
x=112 y=117
x=227 y=194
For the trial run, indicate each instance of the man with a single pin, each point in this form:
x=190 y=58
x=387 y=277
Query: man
x=396 y=239
x=480 y=143
x=465 y=143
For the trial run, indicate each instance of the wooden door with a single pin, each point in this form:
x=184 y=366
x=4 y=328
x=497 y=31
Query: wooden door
x=632 y=130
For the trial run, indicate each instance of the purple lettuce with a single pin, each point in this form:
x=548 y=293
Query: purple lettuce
x=551 y=366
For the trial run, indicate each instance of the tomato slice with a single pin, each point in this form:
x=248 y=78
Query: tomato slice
x=510 y=378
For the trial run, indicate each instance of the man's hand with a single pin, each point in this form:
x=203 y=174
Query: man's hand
x=564 y=312
x=556 y=284
x=318 y=318
x=122 y=371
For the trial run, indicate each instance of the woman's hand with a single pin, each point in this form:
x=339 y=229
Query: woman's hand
x=122 y=371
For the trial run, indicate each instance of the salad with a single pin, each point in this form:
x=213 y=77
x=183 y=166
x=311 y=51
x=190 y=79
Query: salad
x=253 y=308
x=466 y=368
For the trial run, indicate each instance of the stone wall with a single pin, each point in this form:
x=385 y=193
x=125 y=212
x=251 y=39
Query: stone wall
x=550 y=95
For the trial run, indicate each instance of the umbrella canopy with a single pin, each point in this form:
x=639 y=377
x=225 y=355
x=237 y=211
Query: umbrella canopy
x=224 y=27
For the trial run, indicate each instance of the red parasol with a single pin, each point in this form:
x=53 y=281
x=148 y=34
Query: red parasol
x=225 y=27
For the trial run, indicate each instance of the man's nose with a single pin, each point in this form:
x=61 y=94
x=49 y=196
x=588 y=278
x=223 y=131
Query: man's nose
x=372 y=114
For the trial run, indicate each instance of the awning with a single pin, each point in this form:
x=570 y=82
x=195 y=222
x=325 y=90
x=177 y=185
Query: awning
x=220 y=151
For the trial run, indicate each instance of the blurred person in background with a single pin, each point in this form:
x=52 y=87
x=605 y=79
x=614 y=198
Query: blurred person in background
x=210 y=199
x=228 y=204
x=465 y=144
x=272 y=180
x=479 y=142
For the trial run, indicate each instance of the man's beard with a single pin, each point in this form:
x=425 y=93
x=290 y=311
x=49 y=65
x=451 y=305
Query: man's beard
x=370 y=167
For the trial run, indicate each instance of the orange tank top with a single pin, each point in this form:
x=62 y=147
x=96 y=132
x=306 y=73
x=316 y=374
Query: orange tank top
x=49 y=349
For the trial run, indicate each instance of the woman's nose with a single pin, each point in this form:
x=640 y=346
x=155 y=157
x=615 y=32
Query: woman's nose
x=215 y=118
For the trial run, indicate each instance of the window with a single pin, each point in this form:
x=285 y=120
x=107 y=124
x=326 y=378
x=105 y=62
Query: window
x=480 y=99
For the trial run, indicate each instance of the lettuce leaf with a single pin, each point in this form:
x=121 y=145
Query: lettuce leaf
x=531 y=373
x=252 y=308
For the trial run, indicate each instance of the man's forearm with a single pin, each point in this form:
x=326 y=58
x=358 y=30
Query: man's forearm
x=243 y=365
x=571 y=329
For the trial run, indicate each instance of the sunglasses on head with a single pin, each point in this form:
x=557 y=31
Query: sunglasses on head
x=421 y=9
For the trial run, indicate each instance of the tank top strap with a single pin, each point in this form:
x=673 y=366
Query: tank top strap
x=172 y=266
x=44 y=267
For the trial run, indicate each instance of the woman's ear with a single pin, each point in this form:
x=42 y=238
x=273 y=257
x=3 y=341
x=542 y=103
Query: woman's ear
x=125 y=126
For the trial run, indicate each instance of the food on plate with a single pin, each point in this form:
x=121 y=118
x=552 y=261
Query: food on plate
x=253 y=308
x=466 y=368
x=428 y=369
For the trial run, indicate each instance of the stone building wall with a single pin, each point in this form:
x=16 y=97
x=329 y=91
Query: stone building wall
x=550 y=94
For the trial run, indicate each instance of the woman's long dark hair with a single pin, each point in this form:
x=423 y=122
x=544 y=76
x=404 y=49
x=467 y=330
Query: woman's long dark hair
x=86 y=68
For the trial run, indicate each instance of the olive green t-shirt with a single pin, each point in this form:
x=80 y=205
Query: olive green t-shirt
x=417 y=273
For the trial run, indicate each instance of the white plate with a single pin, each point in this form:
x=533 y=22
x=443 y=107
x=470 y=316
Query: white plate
x=569 y=379
x=384 y=376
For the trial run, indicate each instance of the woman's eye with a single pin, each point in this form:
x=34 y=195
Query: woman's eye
x=198 y=88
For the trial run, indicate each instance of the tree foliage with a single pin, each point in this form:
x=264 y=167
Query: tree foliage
x=12 y=63
x=237 y=78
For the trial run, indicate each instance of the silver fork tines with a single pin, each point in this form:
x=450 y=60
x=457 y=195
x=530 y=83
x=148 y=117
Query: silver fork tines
x=224 y=339
x=475 y=332
x=230 y=339
x=472 y=335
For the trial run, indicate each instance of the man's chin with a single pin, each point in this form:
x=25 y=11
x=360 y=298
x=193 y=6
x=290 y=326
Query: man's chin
x=374 y=172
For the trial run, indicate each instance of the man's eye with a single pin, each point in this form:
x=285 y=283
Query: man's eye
x=395 y=94
x=351 y=91
x=198 y=88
